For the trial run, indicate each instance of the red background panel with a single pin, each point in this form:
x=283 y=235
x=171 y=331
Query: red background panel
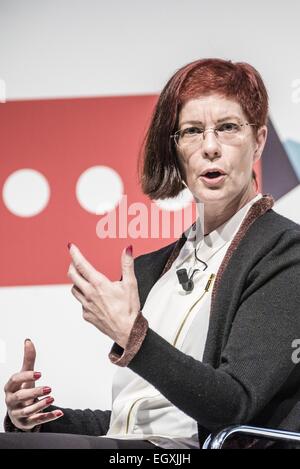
x=61 y=139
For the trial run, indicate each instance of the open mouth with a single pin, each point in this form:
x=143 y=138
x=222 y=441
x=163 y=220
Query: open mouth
x=213 y=178
x=212 y=174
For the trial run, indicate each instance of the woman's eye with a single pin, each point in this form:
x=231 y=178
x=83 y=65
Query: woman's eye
x=228 y=127
x=191 y=131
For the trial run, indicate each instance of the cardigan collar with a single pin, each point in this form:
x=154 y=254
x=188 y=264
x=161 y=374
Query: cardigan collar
x=257 y=210
x=211 y=243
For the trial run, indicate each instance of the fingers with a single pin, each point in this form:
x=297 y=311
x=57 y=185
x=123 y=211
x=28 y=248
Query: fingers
x=27 y=423
x=84 y=268
x=22 y=396
x=18 y=379
x=127 y=265
x=40 y=418
x=29 y=356
x=78 y=295
x=29 y=410
x=80 y=282
x=25 y=404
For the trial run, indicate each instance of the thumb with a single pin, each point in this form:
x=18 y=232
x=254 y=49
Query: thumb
x=127 y=262
x=29 y=356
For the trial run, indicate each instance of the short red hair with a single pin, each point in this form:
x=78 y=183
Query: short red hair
x=240 y=81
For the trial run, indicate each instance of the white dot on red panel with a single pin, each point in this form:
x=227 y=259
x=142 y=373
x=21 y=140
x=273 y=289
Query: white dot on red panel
x=26 y=192
x=99 y=189
x=183 y=199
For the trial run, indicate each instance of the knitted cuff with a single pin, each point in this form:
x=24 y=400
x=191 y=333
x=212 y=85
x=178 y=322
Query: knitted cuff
x=122 y=357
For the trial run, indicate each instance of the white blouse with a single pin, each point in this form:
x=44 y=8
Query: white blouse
x=139 y=411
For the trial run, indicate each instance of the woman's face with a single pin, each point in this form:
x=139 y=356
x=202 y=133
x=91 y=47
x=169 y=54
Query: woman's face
x=228 y=157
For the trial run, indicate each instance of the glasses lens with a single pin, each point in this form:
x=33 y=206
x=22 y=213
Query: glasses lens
x=188 y=137
x=229 y=131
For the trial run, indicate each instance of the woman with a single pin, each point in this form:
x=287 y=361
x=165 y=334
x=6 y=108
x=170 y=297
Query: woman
x=214 y=349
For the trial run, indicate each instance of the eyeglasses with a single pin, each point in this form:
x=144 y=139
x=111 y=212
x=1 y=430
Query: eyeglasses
x=190 y=137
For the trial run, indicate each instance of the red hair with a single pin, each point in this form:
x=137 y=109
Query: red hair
x=240 y=81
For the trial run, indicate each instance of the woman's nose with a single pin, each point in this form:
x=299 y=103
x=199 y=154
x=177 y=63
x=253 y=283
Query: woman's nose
x=211 y=147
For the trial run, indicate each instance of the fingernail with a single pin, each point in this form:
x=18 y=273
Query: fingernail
x=49 y=400
x=129 y=250
x=69 y=245
x=27 y=340
x=46 y=390
x=58 y=413
x=37 y=375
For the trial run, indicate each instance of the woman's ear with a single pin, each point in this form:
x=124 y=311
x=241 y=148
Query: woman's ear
x=260 y=141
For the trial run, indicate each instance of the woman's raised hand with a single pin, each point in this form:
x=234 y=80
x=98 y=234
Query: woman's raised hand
x=25 y=402
x=112 y=307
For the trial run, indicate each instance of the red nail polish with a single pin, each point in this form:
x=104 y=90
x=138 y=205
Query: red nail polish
x=46 y=390
x=37 y=375
x=58 y=413
x=129 y=250
x=69 y=245
x=49 y=400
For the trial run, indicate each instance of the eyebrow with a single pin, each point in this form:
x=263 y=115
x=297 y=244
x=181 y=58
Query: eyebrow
x=222 y=119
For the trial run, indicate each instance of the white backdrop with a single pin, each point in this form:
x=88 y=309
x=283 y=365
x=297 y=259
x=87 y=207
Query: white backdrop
x=70 y=48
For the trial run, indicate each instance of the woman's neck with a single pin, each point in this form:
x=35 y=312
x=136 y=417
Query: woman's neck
x=216 y=215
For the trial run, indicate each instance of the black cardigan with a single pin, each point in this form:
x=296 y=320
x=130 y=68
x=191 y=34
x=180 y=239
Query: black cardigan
x=247 y=374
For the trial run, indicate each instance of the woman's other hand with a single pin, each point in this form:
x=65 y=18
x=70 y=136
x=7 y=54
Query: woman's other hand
x=25 y=402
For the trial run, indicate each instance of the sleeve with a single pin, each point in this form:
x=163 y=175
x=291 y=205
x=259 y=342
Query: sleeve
x=256 y=361
x=122 y=357
x=82 y=422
